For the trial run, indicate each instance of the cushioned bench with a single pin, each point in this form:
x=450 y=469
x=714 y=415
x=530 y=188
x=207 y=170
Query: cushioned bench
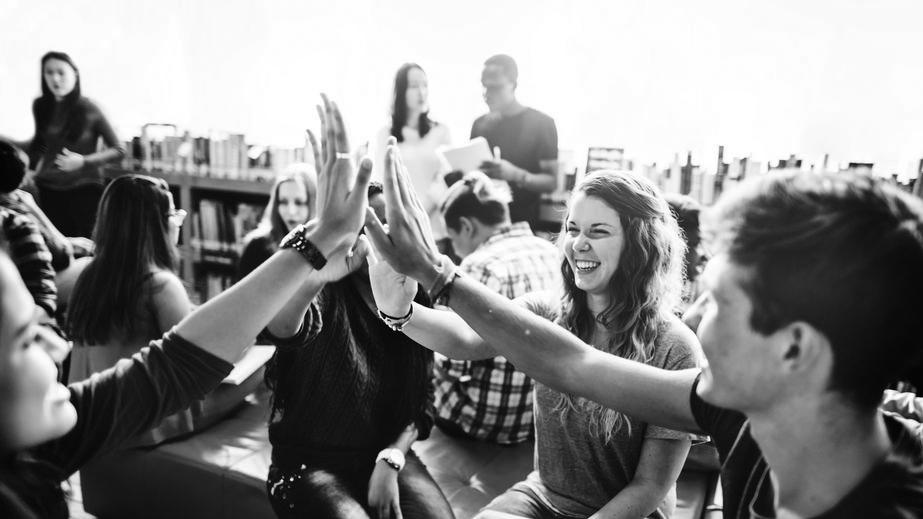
x=220 y=473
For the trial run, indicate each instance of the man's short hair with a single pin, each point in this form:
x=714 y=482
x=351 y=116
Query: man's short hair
x=506 y=64
x=474 y=196
x=843 y=253
x=12 y=168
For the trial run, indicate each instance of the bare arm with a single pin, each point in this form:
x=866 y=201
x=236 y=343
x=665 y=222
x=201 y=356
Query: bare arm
x=658 y=468
x=447 y=333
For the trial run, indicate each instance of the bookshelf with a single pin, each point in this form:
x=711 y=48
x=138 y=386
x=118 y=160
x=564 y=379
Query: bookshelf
x=221 y=211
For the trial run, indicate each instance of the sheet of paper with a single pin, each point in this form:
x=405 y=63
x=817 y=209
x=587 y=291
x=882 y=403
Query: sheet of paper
x=468 y=156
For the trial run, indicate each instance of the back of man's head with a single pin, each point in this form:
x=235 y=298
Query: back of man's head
x=12 y=168
x=505 y=64
x=474 y=196
x=842 y=253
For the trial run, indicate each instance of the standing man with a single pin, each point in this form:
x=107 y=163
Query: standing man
x=490 y=399
x=526 y=139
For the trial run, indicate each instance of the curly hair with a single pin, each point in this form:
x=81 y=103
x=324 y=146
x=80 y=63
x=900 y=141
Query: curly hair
x=645 y=287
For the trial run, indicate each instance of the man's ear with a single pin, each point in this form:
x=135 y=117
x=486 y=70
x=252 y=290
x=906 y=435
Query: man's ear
x=466 y=227
x=803 y=347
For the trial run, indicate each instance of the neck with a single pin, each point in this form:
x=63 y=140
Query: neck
x=413 y=119
x=800 y=440
x=511 y=108
x=597 y=303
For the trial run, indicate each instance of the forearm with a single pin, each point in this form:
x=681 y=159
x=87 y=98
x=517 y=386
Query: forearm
x=560 y=360
x=289 y=320
x=227 y=324
x=445 y=332
x=634 y=501
x=104 y=156
x=534 y=182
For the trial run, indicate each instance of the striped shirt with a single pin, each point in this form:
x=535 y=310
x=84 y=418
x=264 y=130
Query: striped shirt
x=28 y=251
x=489 y=399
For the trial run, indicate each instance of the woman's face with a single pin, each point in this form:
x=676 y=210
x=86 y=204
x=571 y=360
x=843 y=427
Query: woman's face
x=59 y=76
x=36 y=408
x=593 y=242
x=293 y=203
x=417 y=91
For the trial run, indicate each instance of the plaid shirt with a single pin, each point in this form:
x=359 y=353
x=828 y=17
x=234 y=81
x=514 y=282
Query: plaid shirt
x=489 y=399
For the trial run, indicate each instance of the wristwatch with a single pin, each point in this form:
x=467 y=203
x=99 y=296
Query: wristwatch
x=297 y=240
x=393 y=457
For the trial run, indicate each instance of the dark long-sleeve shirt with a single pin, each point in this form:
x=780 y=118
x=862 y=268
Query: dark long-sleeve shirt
x=346 y=382
x=112 y=406
x=59 y=134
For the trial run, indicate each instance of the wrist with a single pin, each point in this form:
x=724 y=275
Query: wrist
x=326 y=242
x=392 y=457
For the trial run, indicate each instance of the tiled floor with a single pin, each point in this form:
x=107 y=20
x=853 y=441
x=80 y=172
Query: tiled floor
x=75 y=499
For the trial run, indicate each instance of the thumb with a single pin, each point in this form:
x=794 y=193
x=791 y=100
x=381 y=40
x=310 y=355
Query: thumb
x=372 y=254
x=361 y=249
x=396 y=508
x=497 y=152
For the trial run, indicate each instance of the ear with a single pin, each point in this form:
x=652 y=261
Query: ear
x=803 y=349
x=466 y=227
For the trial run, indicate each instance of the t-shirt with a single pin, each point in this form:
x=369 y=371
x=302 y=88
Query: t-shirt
x=525 y=139
x=892 y=490
x=579 y=470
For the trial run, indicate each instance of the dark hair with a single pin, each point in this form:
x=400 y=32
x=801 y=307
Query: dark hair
x=645 y=285
x=399 y=105
x=12 y=168
x=131 y=235
x=842 y=253
x=686 y=211
x=474 y=197
x=507 y=64
x=44 y=106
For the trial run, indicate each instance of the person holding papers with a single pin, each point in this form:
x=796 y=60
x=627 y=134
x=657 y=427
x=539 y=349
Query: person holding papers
x=524 y=140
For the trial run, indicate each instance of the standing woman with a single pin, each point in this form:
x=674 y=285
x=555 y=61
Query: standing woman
x=417 y=137
x=291 y=203
x=63 y=151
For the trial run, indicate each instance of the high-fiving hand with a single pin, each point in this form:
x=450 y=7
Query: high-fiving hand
x=341 y=190
x=407 y=245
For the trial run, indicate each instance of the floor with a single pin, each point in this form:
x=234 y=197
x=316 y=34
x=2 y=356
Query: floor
x=75 y=498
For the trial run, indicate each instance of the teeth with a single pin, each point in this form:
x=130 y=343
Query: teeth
x=586 y=265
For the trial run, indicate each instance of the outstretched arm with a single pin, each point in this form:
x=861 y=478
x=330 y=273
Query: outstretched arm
x=534 y=345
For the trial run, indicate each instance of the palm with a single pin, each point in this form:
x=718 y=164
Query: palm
x=393 y=291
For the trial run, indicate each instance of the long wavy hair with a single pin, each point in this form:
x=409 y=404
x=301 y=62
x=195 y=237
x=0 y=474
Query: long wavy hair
x=399 y=105
x=43 y=108
x=644 y=288
x=132 y=235
x=272 y=224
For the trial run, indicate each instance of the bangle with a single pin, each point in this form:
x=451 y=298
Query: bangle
x=296 y=240
x=396 y=323
x=448 y=272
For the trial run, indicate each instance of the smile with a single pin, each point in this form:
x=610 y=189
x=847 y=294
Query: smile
x=585 y=265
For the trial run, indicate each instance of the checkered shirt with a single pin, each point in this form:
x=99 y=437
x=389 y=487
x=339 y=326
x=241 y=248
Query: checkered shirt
x=489 y=399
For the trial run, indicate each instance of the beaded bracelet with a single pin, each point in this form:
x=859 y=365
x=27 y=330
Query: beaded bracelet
x=396 y=323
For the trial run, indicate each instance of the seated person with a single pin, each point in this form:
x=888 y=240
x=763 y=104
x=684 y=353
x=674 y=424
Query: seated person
x=291 y=203
x=48 y=431
x=621 y=253
x=687 y=210
x=489 y=399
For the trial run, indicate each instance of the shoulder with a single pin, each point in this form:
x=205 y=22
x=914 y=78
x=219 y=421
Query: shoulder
x=88 y=105
x=676 y=346
x=164 y=282
x=539 y=117
x=439 y=131
x=481 y=122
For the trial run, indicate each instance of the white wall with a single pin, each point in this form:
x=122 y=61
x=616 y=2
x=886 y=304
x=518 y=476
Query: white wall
x=656 y=77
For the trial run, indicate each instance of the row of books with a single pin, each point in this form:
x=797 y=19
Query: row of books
x=161 y=147
x=218 y=230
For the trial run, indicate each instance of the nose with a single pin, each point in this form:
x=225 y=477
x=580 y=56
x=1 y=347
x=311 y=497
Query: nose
x=581 y=243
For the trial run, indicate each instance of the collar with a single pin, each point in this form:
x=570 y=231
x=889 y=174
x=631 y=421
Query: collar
x=516 y=230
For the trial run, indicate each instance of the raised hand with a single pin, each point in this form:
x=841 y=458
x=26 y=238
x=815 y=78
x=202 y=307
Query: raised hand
x=69 y=161
x=341 y=192
x=407 y=245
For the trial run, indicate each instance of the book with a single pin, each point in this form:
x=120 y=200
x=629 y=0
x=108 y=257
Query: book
x=253 y=359
x=468 y=156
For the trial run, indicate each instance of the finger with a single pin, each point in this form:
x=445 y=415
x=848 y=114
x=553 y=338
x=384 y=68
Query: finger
x=331 y=128
x=496 y=152
x=361 y=249
x=341 y=135
x=324 y=140
x=389 y=182
x=363 y=178
x=372 y=254
x=396 y=508
x=315 y=150
x=403 y=182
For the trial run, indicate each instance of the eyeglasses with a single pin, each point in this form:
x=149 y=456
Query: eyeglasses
x=177 y=216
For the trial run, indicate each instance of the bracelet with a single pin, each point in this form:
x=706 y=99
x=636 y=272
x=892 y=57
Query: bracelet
x=296 y=240
x=396 y=323
x=448 y=272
